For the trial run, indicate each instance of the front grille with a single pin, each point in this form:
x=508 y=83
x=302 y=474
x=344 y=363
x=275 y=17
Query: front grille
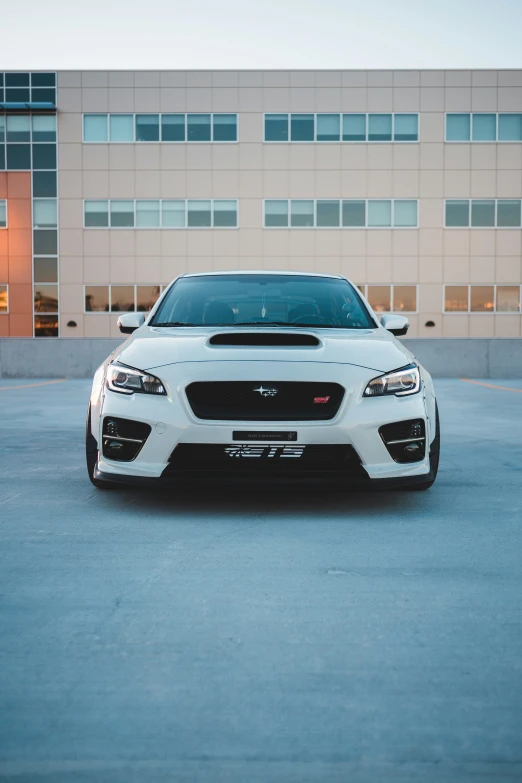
x=265 y=400
x=216 y=459
x=405 y=440
x=123 y=439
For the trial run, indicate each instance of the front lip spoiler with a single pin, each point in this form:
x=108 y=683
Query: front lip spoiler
x=217 y=478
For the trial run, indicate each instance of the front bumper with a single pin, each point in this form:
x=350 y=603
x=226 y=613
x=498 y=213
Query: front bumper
x=355 y=425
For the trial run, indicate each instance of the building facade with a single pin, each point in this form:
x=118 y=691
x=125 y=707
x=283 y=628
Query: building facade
x=407 y=182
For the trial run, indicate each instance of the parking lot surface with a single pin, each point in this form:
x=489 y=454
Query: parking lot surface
x=299 y=636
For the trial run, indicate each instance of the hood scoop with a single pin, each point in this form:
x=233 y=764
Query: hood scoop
x=272 y=339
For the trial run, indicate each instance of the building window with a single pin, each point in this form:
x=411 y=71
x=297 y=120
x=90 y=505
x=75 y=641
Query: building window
x=45 y=269
x=18 y=128
x=4 y=299
x=45 y=213
x=348 y=213
x=391 y=298
x=44 y=156
x=120 y=298
x=44 y=127
x=147 y=127
x=45 y=298
x=173 y=127
x=45 y=325
x=45 y=242
x=484 y=213
x=121 y=128
x=3 y=213
x=44 y=184
x=482 y=127
x=198 y=127
x=355 y=127
x=379 y=297
x=224 y=127
x=482 y=298
x=18 y=157
x=161 y=213
x=95 y=128
x=405 y=298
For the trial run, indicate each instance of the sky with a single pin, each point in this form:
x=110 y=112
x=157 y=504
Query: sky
x=278 y=34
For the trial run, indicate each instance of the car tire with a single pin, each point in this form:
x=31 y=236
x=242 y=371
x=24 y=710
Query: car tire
x=91 y=454
x=434 y=457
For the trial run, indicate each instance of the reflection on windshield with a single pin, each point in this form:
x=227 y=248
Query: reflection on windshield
x=263 y=300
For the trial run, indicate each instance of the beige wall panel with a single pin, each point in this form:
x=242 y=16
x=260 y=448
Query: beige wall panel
x=302 y=156
x=147 y=156
x=509 y=242
x=122 y=242
x=302 y=184
x=481 y=269
x=198 y=184
x=328 y=78
x=354 y=99
x=146 y=79
x=431 y=185
x=70 y=127
x=70 y=184
x=379 y=269
x=96 y=269
x=302 y=78
x=328 y=156
x=482 y=243
x=328 y=99
x=430 y=269
x=121 y=157
x=380 y=156
x=380 y=78
x=120 y=99
x=276 y=78
x=276 y=242
x=430 y=241
x=327 y=242
x=96 y=242
x=301 y=243
x=199 y=156
x=430 y=213
x=224 y=99
x=508 y=78
x=413 y=331
x=225 y=184
x=96 y=184
x=484 y=78
x=251 y=213
x=455 y=269
x=276 y=99
x=148 y=270
x=405 y=243
x=122 y=184
x=509 y=184
x=71 y=213
x=328 y=184
x=148 y=242
x=509 y=156
x=171 y=268
x=71 y=298
x=508 y=269
x=172 y=184
x=173 y=243
x=432 y=78
x=69 y=99
x=481 y=325
x=484 y=99
x=353 y=243
x=457 y=242
x=509 y=98
x=354 y=78
x=483 y=184
x=68 y=331
x=276 y=184
x=380 y=184
x=457 y=99
x=432 y=126
x=457 y=156
x=70 y=156
x=354 y=268
x=251 y=156
x=330 y=265
x=251 y=241
x=115 y=332
x=250 y=100
x=173 y=99
x=251 y=183
x=457 y=78
x=123 y=269
x=95 y=99
x=226 y=243
x=199 y=100
x=97 y=325
x=71 y=269
x=430 y=298
x=250 y=262
x=71 y=241
x=225 y=79
x=250 y=78
x=430 y=331
x=121 y=79
x=354 y=156
x=173 y=157
x=484 y=156
x=507 y=326
x=276 y=156
x=406 y=156
x=457 y=184
x=379 y=243
x=95 y=157
x=199 y=78
x=199 y=243
x=354 y=184
x=302 y=99
x=69 y=79
x=406 y=99
x=405 y=184
x=432 y=99
x=380 y=99
x=406 y=78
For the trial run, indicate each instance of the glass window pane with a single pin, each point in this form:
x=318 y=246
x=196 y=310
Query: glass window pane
x=3 y=213
x=457 y=213
x=44 y=156
x=44 y=127
x=173 y=127
x=17 y=79
x=45 y=270
x=456 y=299
x=302 y=127
x=379 y=213
x=2 y=157
x=45 y=242
x=4 y=300
x=173 y=214
x=328 y=127
x=405 y=213
x=301 y=213
x=43 y=79
x=44 y=184
x=45 y=298
x=510 y=127
x=482 y=299
x=147 y=127
x=484 y=127
x=225 y=127
x=96 y=298
x=147 y=214
x=96 y=214
x=482 y=213
x=17 y=95
x=328 y=213
x=44 y=213
x=508 y=213
x=121 y=127
x=379 y=127
x=354 y=127
x=406 y=127
x=122 y=214
x=225 y=214
x=405 y=298
x=18 y=157
x=198 y=127
x=198 y=214
x=2 y=128
x=276 y=213
x=44 y=95
x=46 y=326
x=276 y=127
x=146 y=297
x=18 y=127
x=122 y=298
x=95 y=127
x=458 y=127
x=354 y=214
x=379 y=297
x=508 y=299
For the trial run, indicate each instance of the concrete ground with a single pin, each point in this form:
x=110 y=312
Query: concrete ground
x=298 y=637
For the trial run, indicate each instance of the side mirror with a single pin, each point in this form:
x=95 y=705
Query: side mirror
x=398 y=325
x=129 y=322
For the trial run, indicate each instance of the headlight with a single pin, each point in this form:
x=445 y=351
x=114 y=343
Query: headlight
x=400 y=382
x=127 y=380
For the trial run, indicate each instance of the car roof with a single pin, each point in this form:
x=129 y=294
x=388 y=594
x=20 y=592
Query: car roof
x=273 y=272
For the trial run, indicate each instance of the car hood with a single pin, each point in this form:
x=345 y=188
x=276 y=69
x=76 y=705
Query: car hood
x=150 y=348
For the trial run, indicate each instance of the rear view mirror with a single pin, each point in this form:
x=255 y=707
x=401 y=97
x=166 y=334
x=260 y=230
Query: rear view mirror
x=398 y=325
x=129 y=322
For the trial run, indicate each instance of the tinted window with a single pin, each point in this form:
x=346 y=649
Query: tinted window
x=235 y=300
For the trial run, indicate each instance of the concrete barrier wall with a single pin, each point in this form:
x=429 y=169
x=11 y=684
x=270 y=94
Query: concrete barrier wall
x=444 y=358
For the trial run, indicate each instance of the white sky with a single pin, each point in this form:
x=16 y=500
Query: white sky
x=213 y=34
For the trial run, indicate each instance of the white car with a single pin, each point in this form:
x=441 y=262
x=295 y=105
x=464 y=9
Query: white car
x=278 y=375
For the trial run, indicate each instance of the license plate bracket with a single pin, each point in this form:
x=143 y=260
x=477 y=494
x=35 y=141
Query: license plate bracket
x=264 y=435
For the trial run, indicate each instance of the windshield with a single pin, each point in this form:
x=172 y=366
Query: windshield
x=263 y=300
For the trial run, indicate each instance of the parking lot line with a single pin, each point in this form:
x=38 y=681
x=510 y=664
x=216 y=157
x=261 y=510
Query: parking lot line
x=32 y=385
x=492 y=385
